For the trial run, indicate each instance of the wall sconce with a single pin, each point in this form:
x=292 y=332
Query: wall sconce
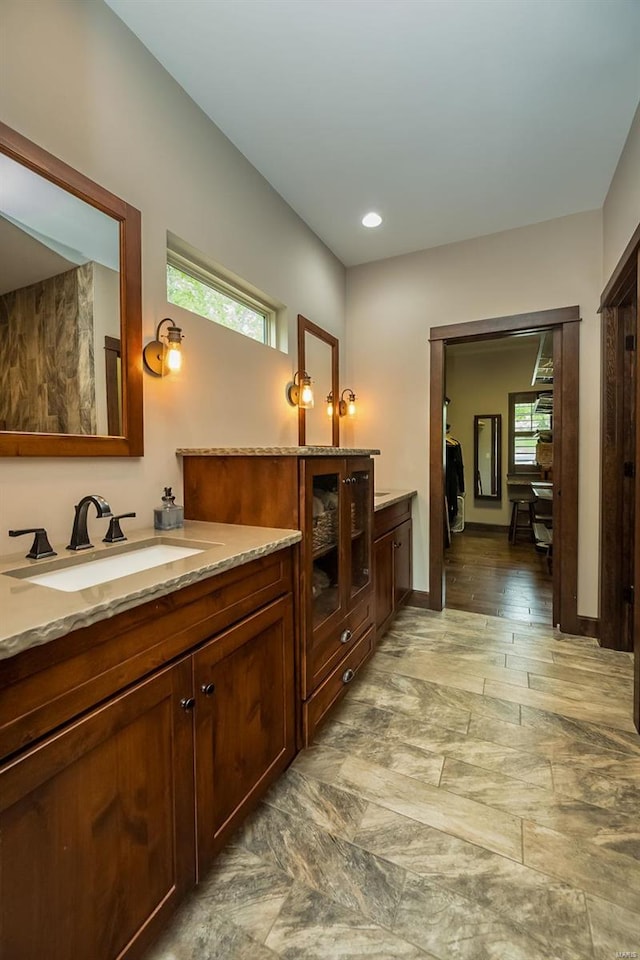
x=161 y=358
x=300 y=393
x=347 y=408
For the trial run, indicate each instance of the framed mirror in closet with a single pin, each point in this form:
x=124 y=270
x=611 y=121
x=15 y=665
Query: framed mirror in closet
x=487 y=456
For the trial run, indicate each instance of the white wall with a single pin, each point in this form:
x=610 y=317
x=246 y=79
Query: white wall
x=391 y=306
x=79 y=84
x=621 y=211
x=479 y=381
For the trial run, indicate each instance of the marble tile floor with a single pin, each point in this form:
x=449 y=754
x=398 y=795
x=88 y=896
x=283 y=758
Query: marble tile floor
x=475 y=796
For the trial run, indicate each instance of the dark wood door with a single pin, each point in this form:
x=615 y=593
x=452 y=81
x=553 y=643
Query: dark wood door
x=96 y=826
x=244 y=683
x=620 y=486
x=617 y=520
x=402 y=548
x=383 y=551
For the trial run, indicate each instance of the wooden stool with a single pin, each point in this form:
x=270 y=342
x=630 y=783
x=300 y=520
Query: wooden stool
x=522 y=518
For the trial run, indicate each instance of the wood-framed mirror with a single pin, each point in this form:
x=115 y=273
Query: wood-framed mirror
x=70 y=311
x=318 y=355
x=487 y=456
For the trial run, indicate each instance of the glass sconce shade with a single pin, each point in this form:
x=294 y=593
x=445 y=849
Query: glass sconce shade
x=329 y=403
x=347 y=408
x=160 y=356
x=300 y=391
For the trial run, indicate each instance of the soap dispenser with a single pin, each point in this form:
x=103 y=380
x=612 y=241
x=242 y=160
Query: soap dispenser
x=169 y=516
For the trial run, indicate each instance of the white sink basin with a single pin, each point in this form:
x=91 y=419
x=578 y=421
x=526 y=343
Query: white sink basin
x=80 y=573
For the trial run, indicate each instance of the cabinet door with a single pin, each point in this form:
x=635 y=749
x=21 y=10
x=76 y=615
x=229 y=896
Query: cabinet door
x=96 y=828
x=324 y=493
x=383 y=565
x=358 y=527
x=244 y=713
x=402 y=565
x=323 y=587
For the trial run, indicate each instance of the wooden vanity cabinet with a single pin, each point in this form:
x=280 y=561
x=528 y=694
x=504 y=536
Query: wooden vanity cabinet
x=330 y=499
x=244 y=721
x=95 y=823
x=393 y=550
x=108 y=820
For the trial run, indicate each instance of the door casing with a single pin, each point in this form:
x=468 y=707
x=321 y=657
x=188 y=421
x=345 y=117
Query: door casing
x=565 y=323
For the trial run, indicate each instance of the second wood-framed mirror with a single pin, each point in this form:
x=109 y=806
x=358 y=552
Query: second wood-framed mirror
x=318 y=355
x=70 y=311
x=487 y=456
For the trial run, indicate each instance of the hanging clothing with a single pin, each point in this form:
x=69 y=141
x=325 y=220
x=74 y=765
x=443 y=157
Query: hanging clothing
x=454 y=475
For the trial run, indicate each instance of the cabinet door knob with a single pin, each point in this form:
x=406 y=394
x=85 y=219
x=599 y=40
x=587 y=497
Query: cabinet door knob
x=188 y=703
x=208 y=689
x=396 y=545
x=348 y=675
x=345 y=636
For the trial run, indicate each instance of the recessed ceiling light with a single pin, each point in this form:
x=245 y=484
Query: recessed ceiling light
x=371 y=220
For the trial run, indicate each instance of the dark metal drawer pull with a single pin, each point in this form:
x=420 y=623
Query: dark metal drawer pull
x=348 y=675
x=345 y=636
x=208 y=689
x=187 y=703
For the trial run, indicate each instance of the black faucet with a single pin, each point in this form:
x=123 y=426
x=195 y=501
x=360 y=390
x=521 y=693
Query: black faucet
x=79 y=535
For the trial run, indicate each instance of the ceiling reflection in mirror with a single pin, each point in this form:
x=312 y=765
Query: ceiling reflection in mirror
x=60 y=330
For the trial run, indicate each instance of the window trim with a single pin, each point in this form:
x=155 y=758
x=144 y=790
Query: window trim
x=522 y=396
x=205 y=275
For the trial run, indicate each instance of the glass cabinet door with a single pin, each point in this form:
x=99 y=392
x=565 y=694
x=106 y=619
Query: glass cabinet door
x=325 y=525
x=360 y=487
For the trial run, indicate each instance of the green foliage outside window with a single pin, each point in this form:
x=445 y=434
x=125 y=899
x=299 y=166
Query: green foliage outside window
x=525 y=425
x=206 y=301
x=526 y=419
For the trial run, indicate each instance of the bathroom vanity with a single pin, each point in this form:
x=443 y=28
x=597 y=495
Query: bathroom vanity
x=326 y=493
x=140 y=720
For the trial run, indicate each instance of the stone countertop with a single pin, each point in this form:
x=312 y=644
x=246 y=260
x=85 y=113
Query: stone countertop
x=274 y=452
x=33 y=614
x=386 y=498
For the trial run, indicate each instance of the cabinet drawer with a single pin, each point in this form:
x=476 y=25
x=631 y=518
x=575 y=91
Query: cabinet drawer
x=335 y=686
x=389 y=517
x=328 y=650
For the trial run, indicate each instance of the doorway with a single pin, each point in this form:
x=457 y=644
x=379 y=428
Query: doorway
x=499 y=422
x=563 y=323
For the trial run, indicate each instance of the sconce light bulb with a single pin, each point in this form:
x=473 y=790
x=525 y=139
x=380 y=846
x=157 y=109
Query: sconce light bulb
x=329 y=409
x=306 y=396
x=174 y=358
x=351 y=408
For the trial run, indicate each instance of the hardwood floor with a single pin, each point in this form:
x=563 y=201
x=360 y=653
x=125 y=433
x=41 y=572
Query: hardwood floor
x=485 y=574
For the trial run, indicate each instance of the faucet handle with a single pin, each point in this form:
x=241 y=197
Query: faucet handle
x=114 y=533
x=40 y=548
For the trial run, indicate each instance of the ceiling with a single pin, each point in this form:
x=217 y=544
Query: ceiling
x=451 y=118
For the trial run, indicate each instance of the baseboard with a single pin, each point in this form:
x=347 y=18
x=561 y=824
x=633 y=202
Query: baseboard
x=589 y=627
x=487 y=527
x=418 y=598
